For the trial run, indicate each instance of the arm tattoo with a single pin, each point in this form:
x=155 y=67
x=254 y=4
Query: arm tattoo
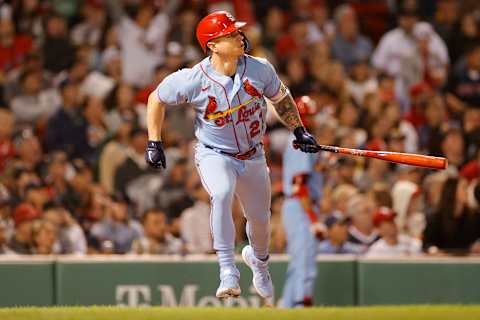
x=288 y=113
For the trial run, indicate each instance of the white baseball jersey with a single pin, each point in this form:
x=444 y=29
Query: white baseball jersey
x=230 y=111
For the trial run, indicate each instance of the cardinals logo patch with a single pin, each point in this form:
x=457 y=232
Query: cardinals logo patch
x=251 y=90
x=211 y=107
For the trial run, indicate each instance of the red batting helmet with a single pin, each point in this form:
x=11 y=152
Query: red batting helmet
x=216 y=24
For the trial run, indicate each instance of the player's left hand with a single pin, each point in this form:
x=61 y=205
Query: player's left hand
x=304 y=141
x=154 y=155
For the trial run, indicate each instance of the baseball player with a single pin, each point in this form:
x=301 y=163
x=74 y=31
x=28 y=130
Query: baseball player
x=302 y=185
x=227 y=91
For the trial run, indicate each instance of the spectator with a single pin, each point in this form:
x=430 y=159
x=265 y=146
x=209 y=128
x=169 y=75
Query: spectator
x=124 y=108
x=471 y=130
x=7 y=150
x=349 y=45
x=21 y=177
x=294 y=41
x=391 y=243
x=111 y=61
x=376 y=171
x=116 y=228
x=337 y=236
x=465 y=81
x=56 y=175
x=28 y=149
x=430 y=62
x=299 y=82
x=321 y=27
x=183 y=32
x=113 y=155
x=361 y=232
x=67 y=128
x=173 y=198
x=57 y=44
x=195 y=223
x=453 y=148
x=397 y=51
x=71 y=238
x=161 y=72
x=345 y=172
x=134 y=166
x=361 y=80
x=3 y=239
x=34 y=106
x=94 y=113
x=90 y=30
x=13 y=48
x=408 y=202
x=156 y=239
x=432 y=131
x=348 y=116
x=27 y=16
x=466 y=33
x=143 y=42
x=44 y=236
x=36 y=195
x=446 y=18
x=454 y=227
x=22 y=241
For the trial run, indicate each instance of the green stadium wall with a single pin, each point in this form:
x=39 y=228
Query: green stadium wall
x=192 y=281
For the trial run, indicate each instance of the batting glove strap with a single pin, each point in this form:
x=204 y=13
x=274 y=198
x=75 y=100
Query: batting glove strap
x=154 y=155
x=304 y=141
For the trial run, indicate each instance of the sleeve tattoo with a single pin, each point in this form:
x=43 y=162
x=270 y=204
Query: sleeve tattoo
x=287 y=110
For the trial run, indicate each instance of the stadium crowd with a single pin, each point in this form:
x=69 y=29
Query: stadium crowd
x=383 y=75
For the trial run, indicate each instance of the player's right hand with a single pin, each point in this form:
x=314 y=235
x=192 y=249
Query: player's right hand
x=154 y=155
x=304 y=141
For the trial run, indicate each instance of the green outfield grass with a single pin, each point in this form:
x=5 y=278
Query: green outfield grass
x=327 y=313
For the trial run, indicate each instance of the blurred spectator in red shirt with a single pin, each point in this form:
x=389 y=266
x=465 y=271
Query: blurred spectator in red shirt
x=295 y=41
x=13 y=48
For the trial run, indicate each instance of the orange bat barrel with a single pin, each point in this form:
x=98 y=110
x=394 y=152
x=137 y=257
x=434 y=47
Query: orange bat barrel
x=418 y=160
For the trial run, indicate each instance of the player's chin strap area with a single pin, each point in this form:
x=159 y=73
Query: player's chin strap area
x=240 y=156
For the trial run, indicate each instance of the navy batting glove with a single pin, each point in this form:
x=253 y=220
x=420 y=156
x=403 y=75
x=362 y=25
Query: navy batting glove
x=154 y=155
x=304 y=141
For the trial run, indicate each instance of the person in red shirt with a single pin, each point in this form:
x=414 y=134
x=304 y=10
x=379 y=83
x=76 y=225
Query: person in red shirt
x=13 y=47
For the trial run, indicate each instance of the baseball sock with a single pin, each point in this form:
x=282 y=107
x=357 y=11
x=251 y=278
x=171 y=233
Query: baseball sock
x=226 y=259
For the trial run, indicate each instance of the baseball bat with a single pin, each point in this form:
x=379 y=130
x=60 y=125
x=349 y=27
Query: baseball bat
x=412 y=159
